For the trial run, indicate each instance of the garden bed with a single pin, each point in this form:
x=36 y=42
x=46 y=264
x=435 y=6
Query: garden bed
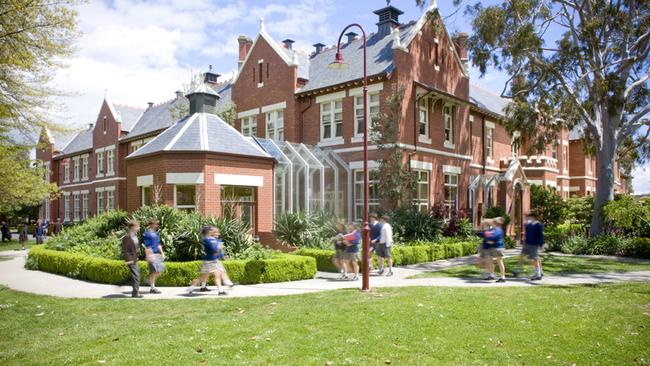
x=280 y=268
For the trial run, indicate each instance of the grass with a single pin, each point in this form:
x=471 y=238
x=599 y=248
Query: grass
x=551 y=264
x=15 y=245
x=607 y=325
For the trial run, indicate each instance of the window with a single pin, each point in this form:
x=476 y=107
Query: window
x=565 y=156
x=84 y=168
x=66 y=170
x=77 y=207
x=554 y=151
x=76 y=169
x=589 y=165
x=275 y=125
x=421 y=200
x=110 y=200
x=239 y=202
x=451 y=191
x=84 y=205
x=331 y=120
x=110 y=162
x=100 y=203
x=261 y=66
x=448 y=116
x=489 y=143
x=436 y=53
x=100 y=164
x=424 y=117
x=373 y=106
x=66 y=207
x=185 y=197
x=105 y=124
x=373 y=193
x=135 y=146
x=146 y=196
x=249 y=126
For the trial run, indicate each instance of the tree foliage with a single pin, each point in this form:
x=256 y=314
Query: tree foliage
x=547 y=205
x=629 y=216
x=592 y=77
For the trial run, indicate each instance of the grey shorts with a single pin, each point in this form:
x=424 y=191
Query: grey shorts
x=530 y=251
x=156 y=265
x=352 y=257
x=384 y=251
x=494 y=252
x=339 y=254
x=211 y=266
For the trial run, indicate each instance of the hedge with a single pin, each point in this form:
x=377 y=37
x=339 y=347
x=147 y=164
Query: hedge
x=402 y=255
x=284 y=267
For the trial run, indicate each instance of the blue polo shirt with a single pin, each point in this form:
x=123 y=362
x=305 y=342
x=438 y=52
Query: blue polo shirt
x=375 y=231
x=354 y=248
x=213 y=248
x=535 y=233
x=152 y=240
x=493 y=238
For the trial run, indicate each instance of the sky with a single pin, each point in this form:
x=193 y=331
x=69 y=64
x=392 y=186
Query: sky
x=142 y=51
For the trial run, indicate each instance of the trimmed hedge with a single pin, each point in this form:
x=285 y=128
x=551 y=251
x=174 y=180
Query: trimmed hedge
x=402 y=255
x=284 y=267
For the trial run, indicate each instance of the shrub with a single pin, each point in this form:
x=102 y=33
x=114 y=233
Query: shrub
x=496 y=211
x=580 y=209
x=573 y=245
x=409 y=224
x=305 y=230
x=548 y=205
x=639 y=248
x=280 y=268
x=323 y=258
x=628 y=216
x=605 y=245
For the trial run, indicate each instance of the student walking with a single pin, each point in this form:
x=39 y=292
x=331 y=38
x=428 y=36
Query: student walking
x=384 y=249
x=23 y=233
x=375 y=234
x=339 y=259
x=39 y=231
x=6 y=233
x=130 y=254
x=58 y=227
x=154 y=254
x=213 y=248
x=494 y=247
x=533 y=244
x=352 y=240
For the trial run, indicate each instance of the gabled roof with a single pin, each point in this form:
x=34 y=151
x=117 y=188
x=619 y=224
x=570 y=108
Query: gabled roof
x=82 y=141
x=488 y=100
x=126 y=115
x=60 y=139
x=156 y=118
x=202 y=132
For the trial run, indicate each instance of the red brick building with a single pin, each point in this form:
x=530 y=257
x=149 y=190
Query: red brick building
x=306 y=121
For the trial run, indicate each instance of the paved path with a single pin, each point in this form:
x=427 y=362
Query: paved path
x=15 y=276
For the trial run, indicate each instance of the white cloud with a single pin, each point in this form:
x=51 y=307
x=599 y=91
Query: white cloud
x=641 y=180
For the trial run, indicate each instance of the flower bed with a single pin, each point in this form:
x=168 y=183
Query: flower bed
x=280 y=268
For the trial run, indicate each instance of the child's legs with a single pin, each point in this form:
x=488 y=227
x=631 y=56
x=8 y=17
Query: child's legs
x=489 y=264
x=202 y=278
x=380 y=263
x=355 y=266
x=502 y=266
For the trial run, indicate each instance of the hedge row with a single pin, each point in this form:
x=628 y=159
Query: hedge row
x=402 y=255
x=282 y=268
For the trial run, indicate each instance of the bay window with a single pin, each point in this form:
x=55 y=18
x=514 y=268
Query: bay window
x=185 y=197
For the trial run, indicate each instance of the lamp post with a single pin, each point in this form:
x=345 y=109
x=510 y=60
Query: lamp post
x=339 y=64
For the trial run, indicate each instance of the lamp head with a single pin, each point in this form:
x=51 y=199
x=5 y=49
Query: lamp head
x=338 y=63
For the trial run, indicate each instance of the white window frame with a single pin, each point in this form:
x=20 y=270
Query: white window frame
x=333 y=122
x=76 y=207
x=84 y=205
x=275 y=124
x=565 y=158
x=555 y=150
x=448 y=116
x=590 y=169
x=100 y=164
x=489 y=143
x=184 y=207
x=249 y=126
x=110 y=162
x=84 y=167
x=76 y=169
x=422 y=205
x=423 y=118
x=101 y=205
x=66 y=207
x=110 y=200
x=66 y=170
x=373 y=110
x=373 y=203
x=142 y=195
x=451 y=203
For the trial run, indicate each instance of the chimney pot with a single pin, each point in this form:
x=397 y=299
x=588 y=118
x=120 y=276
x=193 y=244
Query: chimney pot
x=288 y=43
x=150 y=104
x=179 y=94
x=319 y=47
x=351 y=36
x=90 y=126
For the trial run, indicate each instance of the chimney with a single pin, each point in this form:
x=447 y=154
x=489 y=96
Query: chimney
x=388 y=19
x=460 y=42
x=90 y=126
x=351 y=37
x=210 y=77
x=319 y=48
x=245 y=44
x=288 y=43
x=179 y=94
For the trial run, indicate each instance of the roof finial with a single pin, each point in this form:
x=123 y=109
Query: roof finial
x=105 y=93
x=387 y=2
x=210 y=67
x=262 y=27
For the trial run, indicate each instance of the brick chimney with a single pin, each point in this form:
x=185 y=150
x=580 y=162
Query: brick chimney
x=388 y=19
x=460 y=42
x=245 y=45
x=288 y=43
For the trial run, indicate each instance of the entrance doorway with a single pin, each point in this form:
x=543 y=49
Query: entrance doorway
x=518 y=211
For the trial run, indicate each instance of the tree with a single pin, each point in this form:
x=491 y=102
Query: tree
x=397 y=183
x=547 y=205
x=35 y=36
x=594 y=77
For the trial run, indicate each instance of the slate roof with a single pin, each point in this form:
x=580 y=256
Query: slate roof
x=225 y=92
x=379 y=55
x=127 y=115
x=202 y=132
x=488 y=100
x=156 y=118
x=62 y=139
x=203 y=89
x=82 y=141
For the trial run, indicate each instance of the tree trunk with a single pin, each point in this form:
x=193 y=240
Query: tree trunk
x=605 y=157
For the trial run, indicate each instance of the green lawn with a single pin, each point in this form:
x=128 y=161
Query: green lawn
x=606 y=325
x=15 y=245
x=551 y=264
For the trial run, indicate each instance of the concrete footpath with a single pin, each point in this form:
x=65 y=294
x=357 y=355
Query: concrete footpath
x=14 y=275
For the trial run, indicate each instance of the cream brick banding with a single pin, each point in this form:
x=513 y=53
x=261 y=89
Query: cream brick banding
x=144 y=180
x=184 y=178
x=238 y=180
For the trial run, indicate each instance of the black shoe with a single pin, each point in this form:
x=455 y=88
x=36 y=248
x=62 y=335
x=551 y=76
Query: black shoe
x=136 y=295
x=222 y=293
x=536 y=278
x=390 y=273
x=155 y=291
x=501 y=280
x=204 y=289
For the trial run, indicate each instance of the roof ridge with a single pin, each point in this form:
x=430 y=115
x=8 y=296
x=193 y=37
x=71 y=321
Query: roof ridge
x=128 y=106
